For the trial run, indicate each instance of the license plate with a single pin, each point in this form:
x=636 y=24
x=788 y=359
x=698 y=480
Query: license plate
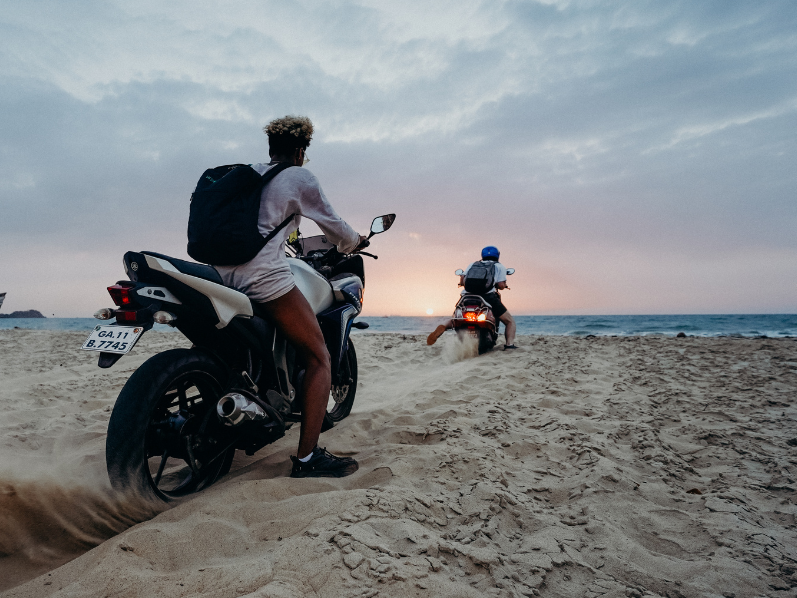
x=113 y=339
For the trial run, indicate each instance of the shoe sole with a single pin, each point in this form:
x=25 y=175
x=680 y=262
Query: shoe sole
x=438 y=332
x=327 y=474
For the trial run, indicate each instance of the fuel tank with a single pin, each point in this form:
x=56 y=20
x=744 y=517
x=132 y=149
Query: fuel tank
x=313 y=286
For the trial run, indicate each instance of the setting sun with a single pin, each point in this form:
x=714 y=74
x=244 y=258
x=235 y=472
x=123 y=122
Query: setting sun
x=429 y=311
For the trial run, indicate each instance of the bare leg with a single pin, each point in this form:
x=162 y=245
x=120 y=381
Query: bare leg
x=509 y=322
x=294 y=318
x=438 y=332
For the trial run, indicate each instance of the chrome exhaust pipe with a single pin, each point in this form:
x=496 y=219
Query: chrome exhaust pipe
x=234 y=409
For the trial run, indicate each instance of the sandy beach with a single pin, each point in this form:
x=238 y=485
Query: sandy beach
x=616 y=467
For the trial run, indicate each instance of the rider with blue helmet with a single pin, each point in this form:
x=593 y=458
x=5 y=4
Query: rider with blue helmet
x=489 y=254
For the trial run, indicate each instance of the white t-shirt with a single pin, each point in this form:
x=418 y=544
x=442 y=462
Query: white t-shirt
x=293 y=191
x=499 y=275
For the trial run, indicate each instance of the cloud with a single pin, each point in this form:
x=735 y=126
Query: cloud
x=595 y=130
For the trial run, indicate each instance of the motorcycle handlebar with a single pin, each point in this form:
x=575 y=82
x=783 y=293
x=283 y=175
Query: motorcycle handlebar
x=333 y=254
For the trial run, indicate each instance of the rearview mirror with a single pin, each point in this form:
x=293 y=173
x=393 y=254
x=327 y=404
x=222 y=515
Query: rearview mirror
x=460 y=272
x=382 y=223
x=510 y=271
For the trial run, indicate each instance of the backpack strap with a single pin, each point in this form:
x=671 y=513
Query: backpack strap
x=273 y=171
x=265 y=178
x=281 y=225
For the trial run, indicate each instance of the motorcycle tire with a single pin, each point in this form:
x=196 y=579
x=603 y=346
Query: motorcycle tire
x=347 y=389
x=486 y=341
x=146 y=420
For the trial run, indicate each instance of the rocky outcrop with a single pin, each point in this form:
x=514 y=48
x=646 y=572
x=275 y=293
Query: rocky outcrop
x=30 y=313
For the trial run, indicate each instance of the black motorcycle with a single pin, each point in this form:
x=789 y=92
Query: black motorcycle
x=181 y=416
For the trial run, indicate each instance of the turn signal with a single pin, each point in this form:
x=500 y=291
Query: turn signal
x=164 y=317
x=106 y=313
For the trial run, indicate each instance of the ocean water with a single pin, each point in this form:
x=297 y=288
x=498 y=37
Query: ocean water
x=745 y=325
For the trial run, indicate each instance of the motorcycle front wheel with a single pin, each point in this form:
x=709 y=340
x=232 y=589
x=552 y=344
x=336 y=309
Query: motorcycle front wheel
x=164 y=438
x=342 y=395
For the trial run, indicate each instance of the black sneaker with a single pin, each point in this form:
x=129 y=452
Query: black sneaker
x=323 y=464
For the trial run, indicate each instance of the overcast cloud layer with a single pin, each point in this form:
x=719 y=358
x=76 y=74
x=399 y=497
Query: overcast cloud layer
x=626 y=157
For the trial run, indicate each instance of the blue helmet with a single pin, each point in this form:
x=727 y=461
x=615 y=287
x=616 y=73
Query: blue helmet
x=491 y=253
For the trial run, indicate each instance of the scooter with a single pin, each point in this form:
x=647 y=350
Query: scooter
x=183 y=413
x=473 y=318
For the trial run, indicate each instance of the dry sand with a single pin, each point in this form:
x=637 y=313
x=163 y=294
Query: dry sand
x=570 y=467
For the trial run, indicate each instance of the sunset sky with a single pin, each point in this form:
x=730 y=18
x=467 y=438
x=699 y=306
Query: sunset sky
x=626 y=157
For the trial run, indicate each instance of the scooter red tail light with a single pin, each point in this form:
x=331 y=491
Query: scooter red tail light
x=472 y=316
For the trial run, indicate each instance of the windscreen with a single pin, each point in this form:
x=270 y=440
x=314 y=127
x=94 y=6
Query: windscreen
x=316 y=243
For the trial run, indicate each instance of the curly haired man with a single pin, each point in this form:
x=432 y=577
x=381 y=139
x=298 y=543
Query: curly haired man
x=267 y=280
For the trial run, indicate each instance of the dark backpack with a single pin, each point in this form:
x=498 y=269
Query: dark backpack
x=224 y=214
x=480 y=278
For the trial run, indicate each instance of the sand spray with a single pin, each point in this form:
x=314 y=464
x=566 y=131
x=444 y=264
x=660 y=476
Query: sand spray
x=52 y=512
x=460 y=347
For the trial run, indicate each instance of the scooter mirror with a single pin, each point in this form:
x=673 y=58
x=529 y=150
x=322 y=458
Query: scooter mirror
x=510 y=271
x=382 y=223
x=460 y=272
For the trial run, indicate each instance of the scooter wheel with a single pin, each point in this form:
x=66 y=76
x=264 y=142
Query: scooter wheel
x=486 y=341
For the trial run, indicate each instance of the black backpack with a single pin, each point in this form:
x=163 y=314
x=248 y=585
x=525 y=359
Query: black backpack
x=480 y=278
x=224 y=214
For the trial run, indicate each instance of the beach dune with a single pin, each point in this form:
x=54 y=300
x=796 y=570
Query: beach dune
x=570 y=467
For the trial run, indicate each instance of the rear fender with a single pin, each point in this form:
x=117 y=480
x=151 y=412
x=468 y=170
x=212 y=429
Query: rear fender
x=462 y=324
x=212 y=302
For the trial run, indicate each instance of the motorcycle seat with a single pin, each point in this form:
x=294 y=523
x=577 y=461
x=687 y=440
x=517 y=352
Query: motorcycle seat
x=191 y=268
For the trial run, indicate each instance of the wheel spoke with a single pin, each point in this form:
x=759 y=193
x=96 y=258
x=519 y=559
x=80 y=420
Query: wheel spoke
x=200 y=458
x=191 y=459
x=161 y=466
x=181 y=391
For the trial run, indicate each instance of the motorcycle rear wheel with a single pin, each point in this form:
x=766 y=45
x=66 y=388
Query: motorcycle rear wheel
x=343 y=393
x=164 y=439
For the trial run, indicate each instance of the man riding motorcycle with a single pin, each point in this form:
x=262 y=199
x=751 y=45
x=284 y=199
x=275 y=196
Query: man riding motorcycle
x=489 y=254
x=267 y=280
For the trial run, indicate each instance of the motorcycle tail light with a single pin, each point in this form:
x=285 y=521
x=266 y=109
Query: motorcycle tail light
x=121 y=293
x=133 y=316
x=481 y=317
x=124 y=315
x=470 y=316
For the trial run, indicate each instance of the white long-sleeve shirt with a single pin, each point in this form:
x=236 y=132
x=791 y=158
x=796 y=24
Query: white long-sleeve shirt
x=295 y=190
